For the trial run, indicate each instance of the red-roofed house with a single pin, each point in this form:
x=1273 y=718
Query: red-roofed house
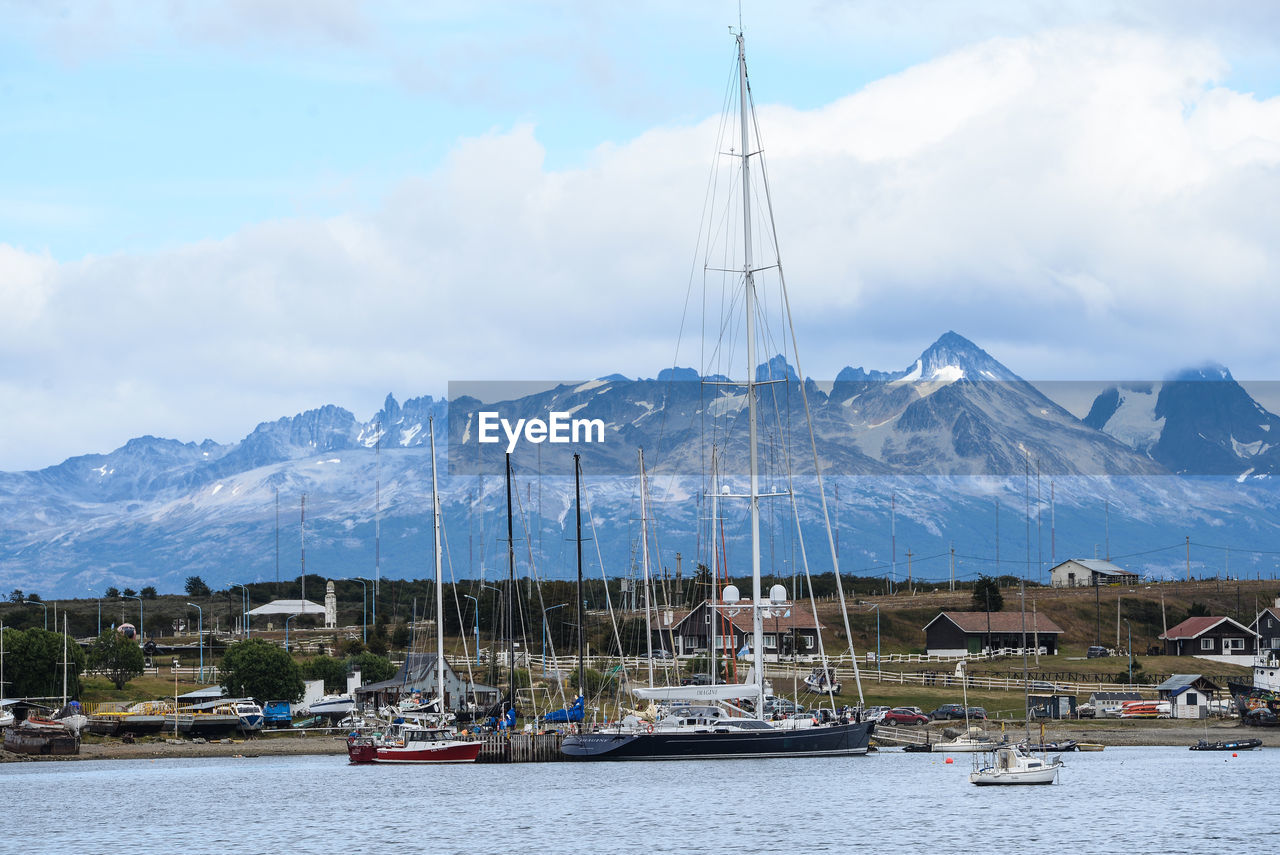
x=687 y=633
x=962 y=633
x=1210 y=637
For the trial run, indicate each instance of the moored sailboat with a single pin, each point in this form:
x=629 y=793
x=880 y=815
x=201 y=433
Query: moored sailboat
x=728 y=720
x=404 y=742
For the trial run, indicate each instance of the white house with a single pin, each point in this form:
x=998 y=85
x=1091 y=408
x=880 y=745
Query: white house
x=1188 y=695
x=1087 y=572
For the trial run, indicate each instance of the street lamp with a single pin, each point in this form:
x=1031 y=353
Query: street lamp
x=200 y=630
x=244 y=607
x=286 y=631
x=544 y=634
x=476 y=622
x=1129 y=630
x=42 y=605
x=364 y=605
x=141 y=627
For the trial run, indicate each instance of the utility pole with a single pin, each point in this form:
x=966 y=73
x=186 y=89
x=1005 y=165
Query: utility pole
x=1188 y=558
x=909 y=587
x=953 y=566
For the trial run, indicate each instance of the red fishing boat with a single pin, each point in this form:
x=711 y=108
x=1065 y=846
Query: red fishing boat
x=409 y=743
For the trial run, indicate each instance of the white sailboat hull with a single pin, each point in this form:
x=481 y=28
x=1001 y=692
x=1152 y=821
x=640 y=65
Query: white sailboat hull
x=988 y=777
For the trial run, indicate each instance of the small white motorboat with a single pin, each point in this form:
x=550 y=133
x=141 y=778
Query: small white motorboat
x=333 y=706
x=1014 y=764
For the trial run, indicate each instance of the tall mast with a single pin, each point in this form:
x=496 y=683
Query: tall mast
x=435 y=525
x=377 y=508
x=303 y=541
x=713 y=616
x=577 y=504
x=64 y=659
x=649 y=611
x=757 y=620
x=511 y=597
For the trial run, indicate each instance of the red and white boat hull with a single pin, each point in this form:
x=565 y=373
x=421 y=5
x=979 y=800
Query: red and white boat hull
x=363 y=749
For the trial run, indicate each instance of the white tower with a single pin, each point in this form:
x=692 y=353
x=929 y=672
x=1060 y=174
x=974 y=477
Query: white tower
x=330 y=607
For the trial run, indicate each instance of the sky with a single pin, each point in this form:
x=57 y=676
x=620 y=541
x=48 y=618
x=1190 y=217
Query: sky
x=218 y=214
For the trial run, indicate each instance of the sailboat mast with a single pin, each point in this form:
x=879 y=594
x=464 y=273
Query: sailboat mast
x=713 y=616
x=435 y=524
x=577 y=503
x=511 y=596
x=64 y=659
x=757 y=620
x=644 y=563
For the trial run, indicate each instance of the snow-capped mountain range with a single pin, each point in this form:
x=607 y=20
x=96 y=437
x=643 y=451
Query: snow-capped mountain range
x=950 y=442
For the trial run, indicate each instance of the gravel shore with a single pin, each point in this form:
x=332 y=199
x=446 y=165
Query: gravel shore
x=157 y=747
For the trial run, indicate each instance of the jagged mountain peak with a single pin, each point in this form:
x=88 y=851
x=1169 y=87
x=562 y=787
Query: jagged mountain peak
x=953 y=357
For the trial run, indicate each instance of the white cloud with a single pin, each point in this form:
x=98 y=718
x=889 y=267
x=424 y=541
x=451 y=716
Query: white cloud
x=1085 y=202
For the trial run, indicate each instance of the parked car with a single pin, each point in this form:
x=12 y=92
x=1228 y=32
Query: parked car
x=875 y=713
x=696 y=680
x=905 y=715
x=978 y=713
x=947 y=711
x=1041 y=686
x=1097 y=652
x=662 y=654
x=781 y=706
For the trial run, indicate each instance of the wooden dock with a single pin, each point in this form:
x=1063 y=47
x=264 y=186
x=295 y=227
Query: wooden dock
x=521 y=748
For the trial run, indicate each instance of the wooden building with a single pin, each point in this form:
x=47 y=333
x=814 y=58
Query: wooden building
x=682 y=632
x=965 y=633
x=1107 y=704
x=418 y=674
x=1217 y=637
x=1266 y=627
x=1188 y=695
x=1087 y=572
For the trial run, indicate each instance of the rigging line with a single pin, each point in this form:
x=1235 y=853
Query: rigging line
x=1225 y=548
x=542 y=605
x=453 y=583
x=613 y=621
x=804 y=396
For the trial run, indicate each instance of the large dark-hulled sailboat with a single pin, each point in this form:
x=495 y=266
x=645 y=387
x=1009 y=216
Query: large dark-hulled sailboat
x=728 y=720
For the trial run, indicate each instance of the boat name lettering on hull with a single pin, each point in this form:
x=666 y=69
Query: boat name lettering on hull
x=558 y=428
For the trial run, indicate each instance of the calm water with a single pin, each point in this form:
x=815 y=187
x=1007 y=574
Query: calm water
x=1123 y=799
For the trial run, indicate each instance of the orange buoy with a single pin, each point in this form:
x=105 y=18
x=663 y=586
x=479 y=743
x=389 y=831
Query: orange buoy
x=949 y=761
x=1233 y=754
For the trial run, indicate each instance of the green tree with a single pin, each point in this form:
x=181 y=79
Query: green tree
x=33 y=663
x=16 y=595
x=373 y=668
x=118 y=657
x=332 y=671
x=148 y=593
x=129 y=592
x=400 y=636
x=1198 y=610
x=986 y=595
x=113 y=593
x=196 y=587
x=259 y=669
